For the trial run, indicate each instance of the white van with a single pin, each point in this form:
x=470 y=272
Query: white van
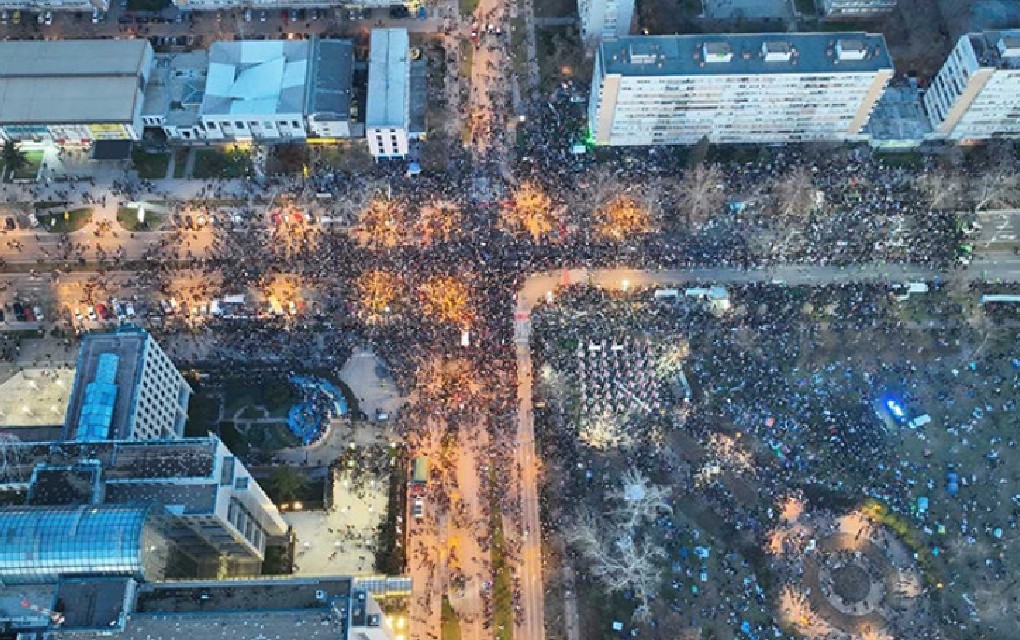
x=919 y=421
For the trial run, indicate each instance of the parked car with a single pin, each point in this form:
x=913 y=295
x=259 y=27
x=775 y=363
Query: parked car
x=16 y=17
x=247 y=15
x=37 y=310
x=4 y=16
x=48 y=18
x=418 y=509
x=96 y=16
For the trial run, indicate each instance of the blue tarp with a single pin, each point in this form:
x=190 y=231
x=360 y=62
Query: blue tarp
x=320 y=402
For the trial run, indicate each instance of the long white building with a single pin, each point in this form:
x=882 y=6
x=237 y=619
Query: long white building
x=605 y=19
x=395 y=113
x=736 y=88
x=976 y=94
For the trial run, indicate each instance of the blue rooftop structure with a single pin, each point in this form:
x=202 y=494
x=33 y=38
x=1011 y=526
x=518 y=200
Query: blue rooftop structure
x=40 y=545
x=100 y=398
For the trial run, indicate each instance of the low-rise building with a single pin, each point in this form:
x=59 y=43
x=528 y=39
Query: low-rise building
x=55 y=5
x=976 y=94
x=73 y=91
x=258 y=90
x=76 y=608
x=395 y=112
x=736 y=88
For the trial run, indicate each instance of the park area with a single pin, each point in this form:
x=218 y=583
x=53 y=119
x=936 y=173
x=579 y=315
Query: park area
x=819 y=462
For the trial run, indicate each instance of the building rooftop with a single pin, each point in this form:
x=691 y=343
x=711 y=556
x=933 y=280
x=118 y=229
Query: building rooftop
x=94 y=603
x=329 y=82
x=129 y=348
x=121 y=460
x=735 y=54
x=267 y=594
x=419 y=97
x=256 y=77
x=177 y=87
x=100 y=395
x=70 y=81
x=40 y=544
x=999 y=49
x=388 y=79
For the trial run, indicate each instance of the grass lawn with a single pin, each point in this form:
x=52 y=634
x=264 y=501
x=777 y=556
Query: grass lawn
x=806 y=7
x=906 y=159
x=450 y=623
x=467 y=7
x=467 y=53
x=502 y=590
x=276 y=396
x=149 y=165
x=31 y=169
x=128 y=218
x=519 y=46
x=353 y=158
x=203 y=411
x=65 y=222
x=555 y=8
x=180 y=162
x=214 y=163
x=560 y=55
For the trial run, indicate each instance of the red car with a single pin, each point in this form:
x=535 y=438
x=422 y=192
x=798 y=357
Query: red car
x=103 y=312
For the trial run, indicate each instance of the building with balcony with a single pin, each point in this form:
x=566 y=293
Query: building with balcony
x=976 y=94
x=73 y=91
x=857 y=9
x=605 y=19
x=736 y=88
x=125 y=388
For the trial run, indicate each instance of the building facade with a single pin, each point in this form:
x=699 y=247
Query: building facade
x=215 y=513
x=728 y=88
x=253 y=90
x=388 y=118
x=73 y=91
x=856 y=9
x=605 y=19
x=125 y=388
x=55 y=5
x=976 y=94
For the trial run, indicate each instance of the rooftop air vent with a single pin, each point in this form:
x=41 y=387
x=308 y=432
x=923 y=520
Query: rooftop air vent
x=717 y=52
x=851 y=49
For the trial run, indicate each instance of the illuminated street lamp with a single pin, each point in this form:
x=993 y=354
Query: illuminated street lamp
x=530 y=210
x=446 y=299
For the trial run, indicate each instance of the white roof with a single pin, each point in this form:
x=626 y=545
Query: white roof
x=256 y=77
x=389 y=80
x=71 y=81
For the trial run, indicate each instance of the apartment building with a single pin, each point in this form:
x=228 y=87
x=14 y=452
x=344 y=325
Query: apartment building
x=976 y=94
x=125 y=388
x=55 y=5
x=736 y=88
x=857 y=9
x=605 y=19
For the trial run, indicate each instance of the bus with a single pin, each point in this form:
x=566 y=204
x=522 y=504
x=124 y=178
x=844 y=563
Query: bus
x=420 y=471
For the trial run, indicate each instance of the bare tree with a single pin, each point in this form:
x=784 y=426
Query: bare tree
x=997 y=185
x=794 y=194
x=621 y=554
x=699 y=195
x=941 y=188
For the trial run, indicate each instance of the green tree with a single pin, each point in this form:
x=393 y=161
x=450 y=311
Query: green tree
x=286 y=484
x=14 y=157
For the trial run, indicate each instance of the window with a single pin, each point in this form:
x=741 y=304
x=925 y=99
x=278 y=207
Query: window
x=239 y=124
x=210 y=125
x=296 y=124
x=240 y=483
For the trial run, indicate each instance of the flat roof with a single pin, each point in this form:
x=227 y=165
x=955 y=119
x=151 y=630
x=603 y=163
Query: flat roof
x=129 y=347
x=758 y=53
x=70 y=81
x=389 y=79
x=57 y=58
x=330 y=77
x=999 y=49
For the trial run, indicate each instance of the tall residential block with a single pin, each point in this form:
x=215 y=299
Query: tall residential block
x=605 y=19
x=736 y=88
x=125 y=388
x=976 y=94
